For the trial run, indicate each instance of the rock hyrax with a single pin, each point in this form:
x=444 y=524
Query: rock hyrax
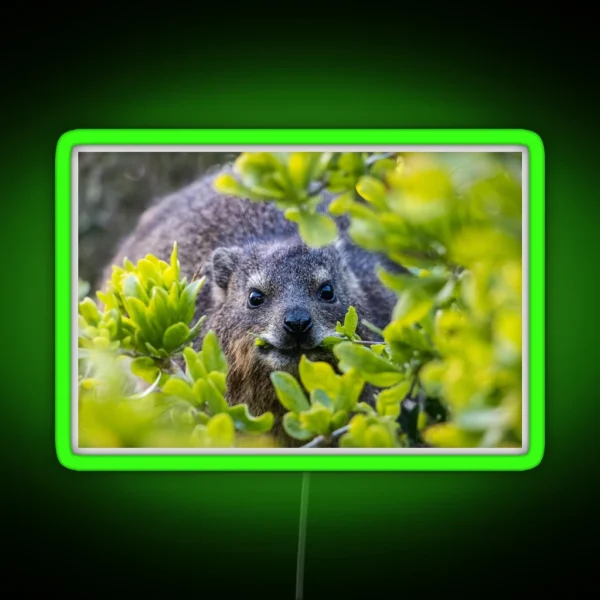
x=262 y=280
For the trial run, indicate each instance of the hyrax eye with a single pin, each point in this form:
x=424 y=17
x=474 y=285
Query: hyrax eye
x=326 y=293
x=255 y=298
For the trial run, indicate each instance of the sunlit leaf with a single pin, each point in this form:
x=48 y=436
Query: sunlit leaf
x=289 y=392
x=316 y=229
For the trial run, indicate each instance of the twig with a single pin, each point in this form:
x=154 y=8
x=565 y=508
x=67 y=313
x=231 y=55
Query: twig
x=197 y=273
x=361 y=342
x=367 y=343
x=316 y=443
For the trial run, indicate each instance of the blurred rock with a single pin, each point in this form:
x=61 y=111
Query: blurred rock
x=116 y=187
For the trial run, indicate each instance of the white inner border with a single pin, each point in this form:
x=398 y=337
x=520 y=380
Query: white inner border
x=297 y=451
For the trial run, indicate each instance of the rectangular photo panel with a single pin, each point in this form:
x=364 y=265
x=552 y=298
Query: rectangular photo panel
x=300 y=300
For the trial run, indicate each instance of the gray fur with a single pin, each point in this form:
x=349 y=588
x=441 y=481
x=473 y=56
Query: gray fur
x=239 y=245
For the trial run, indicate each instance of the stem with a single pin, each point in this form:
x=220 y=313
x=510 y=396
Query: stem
x=318 y=441
x=362 y=342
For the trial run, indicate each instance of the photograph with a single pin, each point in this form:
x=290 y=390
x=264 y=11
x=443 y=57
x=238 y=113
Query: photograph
x=300 y=299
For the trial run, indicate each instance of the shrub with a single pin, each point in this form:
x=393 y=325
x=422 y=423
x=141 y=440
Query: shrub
x=447 y=374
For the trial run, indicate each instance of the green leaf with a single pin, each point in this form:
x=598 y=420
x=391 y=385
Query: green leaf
x=383 y=166
x=132 y=288
x=317 y=419
x=299 y=167
x=227 y=184
x=351 y=387
x=331 y=340
x=339 y=419
x=367 y=231
x=356 y=432
x=318 y=375
x=363 y=407
x=323 y=160
x=351 y=322
x=294 y=428
x=412 y=338
x=148 y=270
x=292 y=214
x=317 y=230
x=89 y=311
x=289 y=392
x=257 y=169
x=377 y=436
x=221 y=430
x=373 y=368
x=158 y=309
x=432 y=377
x=196 y=328
x=244 y=421
x=175 y=261
x=261 y=343
x=449 y=435
x=202 y=418
x=180 y=389
x=395 y=394
x=145 y=368
x=194 y=367
x=83 y=289
x=373 y=191
x=388 y=410
x=137 y=312
x=351 y=162
x=175 y=336
x=342 y=204
x=213 y=356
x=187 y=301
x=219 y=380
x=208 y=392
x=412 y=307
x=481 y=419
x=321 y=397
x=397 y=282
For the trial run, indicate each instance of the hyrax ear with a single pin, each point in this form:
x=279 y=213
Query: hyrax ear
x=224 y=261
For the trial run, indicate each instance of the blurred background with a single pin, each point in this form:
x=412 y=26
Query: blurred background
x=116 y=187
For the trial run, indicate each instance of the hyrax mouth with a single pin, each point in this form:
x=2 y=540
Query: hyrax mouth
x=290 y=352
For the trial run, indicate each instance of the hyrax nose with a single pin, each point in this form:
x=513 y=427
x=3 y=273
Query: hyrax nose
x=297 y=322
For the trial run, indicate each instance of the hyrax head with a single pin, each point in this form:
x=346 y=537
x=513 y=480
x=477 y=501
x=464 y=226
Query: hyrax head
x=285 y=293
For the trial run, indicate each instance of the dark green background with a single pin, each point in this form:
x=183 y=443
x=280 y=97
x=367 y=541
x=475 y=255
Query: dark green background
x=240 y=530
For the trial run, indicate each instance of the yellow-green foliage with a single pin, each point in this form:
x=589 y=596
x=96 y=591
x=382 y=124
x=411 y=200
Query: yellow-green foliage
x=456 y=328
x=455 y=334
x=141 y=382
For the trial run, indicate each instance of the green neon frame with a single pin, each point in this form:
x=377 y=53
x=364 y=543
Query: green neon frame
x=530 y=143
